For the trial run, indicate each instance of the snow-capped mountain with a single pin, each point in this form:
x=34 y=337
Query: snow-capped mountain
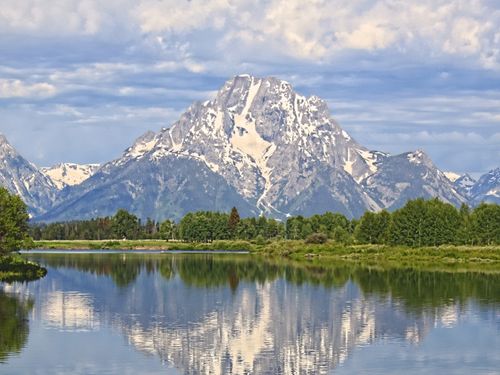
x=24 y=179
x=261 y=147
x=69 y=174
x=464 y=184
x=487 y=188
x=400 y=178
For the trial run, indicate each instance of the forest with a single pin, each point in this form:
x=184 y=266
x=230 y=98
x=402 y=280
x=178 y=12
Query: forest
x=419 y=223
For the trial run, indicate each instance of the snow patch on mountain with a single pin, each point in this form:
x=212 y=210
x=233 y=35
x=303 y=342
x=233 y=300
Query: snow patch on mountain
x=452 y=176
x=69 y=174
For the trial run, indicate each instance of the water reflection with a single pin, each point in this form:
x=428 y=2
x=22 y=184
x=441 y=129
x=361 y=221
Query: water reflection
x=14 y=328
x=222 y=314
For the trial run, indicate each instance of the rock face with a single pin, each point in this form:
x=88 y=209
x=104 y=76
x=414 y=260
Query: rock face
x=69 y=174
x=157 y=189
x=24 y=179
x=487 y=188
x=261 y=147
x=464 y=184
x=400 y=178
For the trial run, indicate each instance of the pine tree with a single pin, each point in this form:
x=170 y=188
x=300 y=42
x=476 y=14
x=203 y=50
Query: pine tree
x=233 y=221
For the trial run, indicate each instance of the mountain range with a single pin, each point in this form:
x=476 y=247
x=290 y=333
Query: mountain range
x=257 y=145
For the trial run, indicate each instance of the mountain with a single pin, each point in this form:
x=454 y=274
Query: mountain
x=159 y=190
x=400 y=178
x=464 y=184
x=24 y=179
x=487 y=188
x=69 y=174
x=259 y=146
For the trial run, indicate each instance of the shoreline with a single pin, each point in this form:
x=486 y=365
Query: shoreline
x=16 y=268
x=449 y=257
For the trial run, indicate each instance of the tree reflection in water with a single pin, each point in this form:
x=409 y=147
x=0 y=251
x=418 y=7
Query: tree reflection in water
x=14 y=325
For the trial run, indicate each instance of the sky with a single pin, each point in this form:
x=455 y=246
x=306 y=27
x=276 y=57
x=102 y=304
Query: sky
x=81 y=79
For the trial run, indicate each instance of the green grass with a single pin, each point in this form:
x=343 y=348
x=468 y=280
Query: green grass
x=443 y=257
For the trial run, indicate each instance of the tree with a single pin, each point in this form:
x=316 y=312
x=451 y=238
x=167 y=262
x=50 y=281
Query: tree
x=424 y=223
x=486 y=224
x=372 y=227
x=341 y=235
x=13 y=222
x=233 y=221
x=125 y=225
x=166 y=230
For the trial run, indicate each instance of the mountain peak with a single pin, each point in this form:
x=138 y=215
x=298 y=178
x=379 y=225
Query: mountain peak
x=6 y=148
x=24 y=179
x=420 y=157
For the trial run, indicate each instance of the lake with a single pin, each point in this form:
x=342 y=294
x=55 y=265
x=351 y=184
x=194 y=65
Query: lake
x=238 y=314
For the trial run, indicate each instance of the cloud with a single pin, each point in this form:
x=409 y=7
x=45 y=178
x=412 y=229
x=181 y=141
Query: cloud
x=14 y=88
x=304 y=30
x=326 y=29
x=61 y=17
x=180 y=16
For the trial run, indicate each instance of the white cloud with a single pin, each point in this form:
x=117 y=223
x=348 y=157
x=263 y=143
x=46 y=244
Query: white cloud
x=323 y=29
x=181 y=16
x=14 y=88
x=309 y=30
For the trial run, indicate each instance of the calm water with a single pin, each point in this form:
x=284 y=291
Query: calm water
x=227 y=314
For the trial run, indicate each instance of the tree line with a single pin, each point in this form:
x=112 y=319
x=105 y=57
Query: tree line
x=419 y=223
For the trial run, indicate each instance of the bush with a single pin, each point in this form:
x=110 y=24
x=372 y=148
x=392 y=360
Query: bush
x=260 y=240
x=317 y=238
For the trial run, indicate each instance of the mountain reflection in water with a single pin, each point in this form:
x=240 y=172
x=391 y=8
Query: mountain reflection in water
x=220 y=314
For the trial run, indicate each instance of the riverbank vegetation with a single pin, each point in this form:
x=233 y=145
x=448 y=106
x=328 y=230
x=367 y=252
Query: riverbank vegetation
x=14 y=236
x=420 y=223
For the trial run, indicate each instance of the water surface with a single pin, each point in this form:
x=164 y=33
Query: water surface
x=235 y=314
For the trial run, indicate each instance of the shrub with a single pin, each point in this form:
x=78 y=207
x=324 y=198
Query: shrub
x=317 y=238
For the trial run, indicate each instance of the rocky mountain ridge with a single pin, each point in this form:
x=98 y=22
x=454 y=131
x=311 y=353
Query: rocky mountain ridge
x=23 y=178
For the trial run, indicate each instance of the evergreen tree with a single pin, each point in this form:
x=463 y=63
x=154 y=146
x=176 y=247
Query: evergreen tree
x=234 y=220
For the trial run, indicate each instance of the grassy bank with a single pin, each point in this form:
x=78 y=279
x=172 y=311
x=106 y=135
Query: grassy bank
x=16 y=268
x=449 y=257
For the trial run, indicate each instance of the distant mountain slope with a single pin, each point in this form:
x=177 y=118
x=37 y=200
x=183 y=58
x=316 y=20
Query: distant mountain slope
x=24 y=179
x=487 y=188
x=464 y=184
x=69 y=174
x=150 y=189
x=400 y=178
